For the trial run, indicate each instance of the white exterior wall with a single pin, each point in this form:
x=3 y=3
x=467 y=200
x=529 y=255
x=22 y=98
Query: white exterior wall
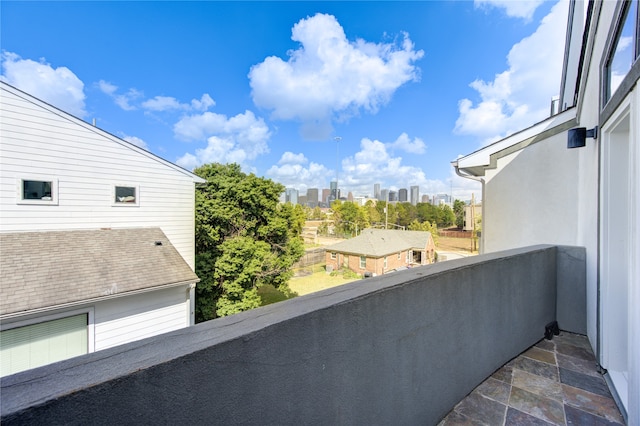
x=40 y=142
x=127 y=319
x=518 y=215
x=546 y=193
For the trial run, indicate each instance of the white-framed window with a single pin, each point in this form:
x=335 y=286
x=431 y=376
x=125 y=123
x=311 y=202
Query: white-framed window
x=38 y=341
x=334 y=256
x=126 y=195
x=384 y=263
x=38 y=190
x=363 y=262
x=399 y=255
x=625 y=49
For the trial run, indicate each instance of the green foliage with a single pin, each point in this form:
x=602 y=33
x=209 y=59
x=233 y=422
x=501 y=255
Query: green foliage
x=425 y=226
x=316 y=214
x=446 y=217
x=244 y=239
x=346 y=273
x=269 y=294
x=458 y=210
x=349 y=217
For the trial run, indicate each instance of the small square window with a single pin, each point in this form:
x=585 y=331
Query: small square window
x=37 y=191
x=125 y=195
x=333 y=255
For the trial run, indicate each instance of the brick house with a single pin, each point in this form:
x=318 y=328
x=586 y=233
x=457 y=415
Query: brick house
x=379 y=251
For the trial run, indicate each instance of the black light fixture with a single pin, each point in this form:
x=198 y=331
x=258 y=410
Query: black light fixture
x=577 y=138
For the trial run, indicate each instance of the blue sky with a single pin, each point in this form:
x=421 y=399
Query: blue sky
x=407 y=86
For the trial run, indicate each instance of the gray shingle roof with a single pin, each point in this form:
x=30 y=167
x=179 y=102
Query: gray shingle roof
x=47 y=269
x=382 y=242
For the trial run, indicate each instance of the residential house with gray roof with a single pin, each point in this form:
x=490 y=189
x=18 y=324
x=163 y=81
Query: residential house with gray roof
x=378 y=251
x=96 y=237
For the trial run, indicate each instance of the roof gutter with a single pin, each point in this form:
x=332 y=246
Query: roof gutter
x=190 y=283
x=482 y=181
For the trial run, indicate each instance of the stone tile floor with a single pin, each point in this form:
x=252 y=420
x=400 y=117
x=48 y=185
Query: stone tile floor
x=554 y=382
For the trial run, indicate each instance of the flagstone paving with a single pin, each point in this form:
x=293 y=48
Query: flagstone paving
x=555 y=382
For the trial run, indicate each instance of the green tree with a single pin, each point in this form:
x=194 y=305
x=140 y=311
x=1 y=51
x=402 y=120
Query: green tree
x=445 y=217
x=425 y=226
x=348 y=216
x=244 y=239
x=458 y=210
x=427 y=212
x=406 y=213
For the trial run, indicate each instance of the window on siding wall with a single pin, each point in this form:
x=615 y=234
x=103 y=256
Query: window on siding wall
x=38 y=191
x=625 y=49
x=40 y=344
x=363 y=262
x=125 y=195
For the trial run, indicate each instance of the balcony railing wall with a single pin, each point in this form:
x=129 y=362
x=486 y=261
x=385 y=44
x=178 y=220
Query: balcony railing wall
x=402 y=348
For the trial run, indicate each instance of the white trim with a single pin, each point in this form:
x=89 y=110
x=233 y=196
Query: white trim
x=95 y=299
x=135 y=203
x=35 y=319
x=20 y=191
x=616 y=246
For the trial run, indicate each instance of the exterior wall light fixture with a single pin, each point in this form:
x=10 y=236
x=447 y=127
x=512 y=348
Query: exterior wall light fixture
x=577 y=137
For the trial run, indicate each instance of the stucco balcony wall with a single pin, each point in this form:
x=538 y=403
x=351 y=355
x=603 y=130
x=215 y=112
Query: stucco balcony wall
x=402 y=348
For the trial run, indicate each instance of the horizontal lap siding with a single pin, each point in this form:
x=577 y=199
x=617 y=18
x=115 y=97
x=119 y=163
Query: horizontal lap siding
x=136 y=317
x=37 y=143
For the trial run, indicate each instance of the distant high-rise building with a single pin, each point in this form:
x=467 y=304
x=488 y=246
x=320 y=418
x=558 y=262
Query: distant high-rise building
x=291 y=196
x=425 y=198
x=384 y=195
x=376 y=191
x=442 y=199
x=326 y=193
x=335 y=192
x=402 y=195
x=393 y=196
x=312 y=197
x=350 y=196
x=302 y=200
x=415 y=194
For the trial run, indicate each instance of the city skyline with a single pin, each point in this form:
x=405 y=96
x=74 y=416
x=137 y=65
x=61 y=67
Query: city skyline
x=297 y=92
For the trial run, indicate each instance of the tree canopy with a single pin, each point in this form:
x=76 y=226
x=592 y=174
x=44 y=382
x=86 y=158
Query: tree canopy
x=245 y=238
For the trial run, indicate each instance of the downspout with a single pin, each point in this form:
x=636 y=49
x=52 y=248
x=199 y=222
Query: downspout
x=482 y=181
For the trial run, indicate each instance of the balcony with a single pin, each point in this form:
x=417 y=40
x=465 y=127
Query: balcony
x=403 y=348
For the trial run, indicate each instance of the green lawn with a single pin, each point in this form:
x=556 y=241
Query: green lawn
x=318 y=280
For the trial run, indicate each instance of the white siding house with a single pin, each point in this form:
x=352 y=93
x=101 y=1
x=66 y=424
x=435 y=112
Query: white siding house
x=66 y=186
x=537 y=190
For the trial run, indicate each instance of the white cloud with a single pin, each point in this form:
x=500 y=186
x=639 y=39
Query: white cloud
x=513 y=8
x=57 y=86
x=168 y=103
x=291 y=158
x=373 y=164
x=229 y=140
x=329 y=77
x=136 y=141
x=404 y=143
x=124 y=100
x=203 y=104
x=291 y=171
x=519 y=96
